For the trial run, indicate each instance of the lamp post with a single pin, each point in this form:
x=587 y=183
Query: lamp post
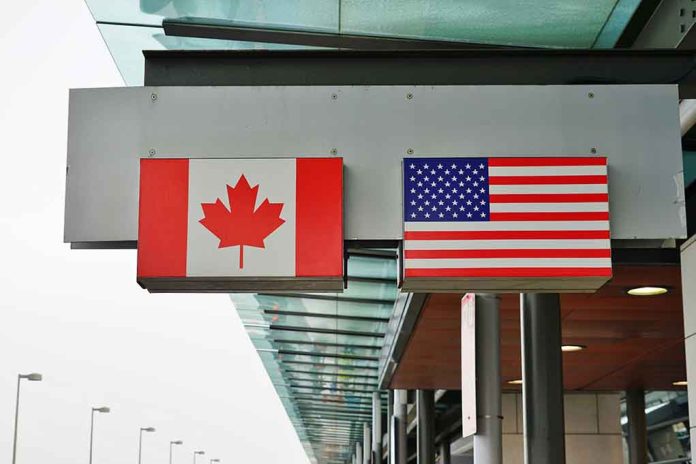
x=34 y=377
x=171 y=444
x=196 y=453
x=103 y=410
x=140 y=443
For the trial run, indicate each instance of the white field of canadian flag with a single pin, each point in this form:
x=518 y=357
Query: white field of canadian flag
x=280 y=217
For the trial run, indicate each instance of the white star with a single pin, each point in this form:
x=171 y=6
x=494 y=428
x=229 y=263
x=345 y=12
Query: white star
x=447 y=171
x=426 y=178
x=454 y=179
x=439 y=166
x=483 y=214
x=468 y=166
x=461 y=184
x=433 y=196
x=468 y=202
x=432 y=184
x=454 y=190
x=454 y=202
x=413 y=202
x=441 y=215
x=482 y=190
x=413 y=215
x=413 y=179
x=475 y=196
x=420 y=184
x=412 y=166
x=432 y=172
x=468 y=178
x=426 y=166
x=461 y=208
x=427 y=215
x=413 y=190
x=440 y=190
x=420 y=208
x=447 y=184
x=420 y=196
x=476 y=208
x=481 y=166
x=475 y=184
x=454 y=215
x=461 y=196
x=427 y=190
x=468 y=190
x=461 y=171
x=448 y=209
x=468 y=215
x=440 y=202
x=419 y=172
x=439 y=179
x=434 y=208
x=482 y=178
x=483 y=202
x=427 y=203
x=447 y=196
x=475 y=171
x=454 y=166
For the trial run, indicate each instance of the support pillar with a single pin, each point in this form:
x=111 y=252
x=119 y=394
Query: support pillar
x=376 y=428
x=445 y=453
x=637 y=427
x=367 y=444
x=425 y=408
x=488 y=441
x=358 y=453
x=398 y=444
x=542 y=374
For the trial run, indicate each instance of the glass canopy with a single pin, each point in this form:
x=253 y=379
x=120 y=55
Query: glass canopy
x=322 y=351
x=130 y=26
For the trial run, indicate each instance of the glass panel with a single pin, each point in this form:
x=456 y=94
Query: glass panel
x=561 y=23
x=615 y=25
x=320 y=14
x=379 y=268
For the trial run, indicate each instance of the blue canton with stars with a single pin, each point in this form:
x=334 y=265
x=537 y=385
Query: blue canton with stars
x=446 y=190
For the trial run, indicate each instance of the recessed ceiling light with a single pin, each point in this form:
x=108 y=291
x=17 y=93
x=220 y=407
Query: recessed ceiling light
x=515 y=382
x=647 y=291
x=570 y=348
x=680 y=383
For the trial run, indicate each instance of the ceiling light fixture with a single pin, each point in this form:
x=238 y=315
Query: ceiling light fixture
x=680 y=383
x=515 y=382
x=647 y=291
x=571 y=348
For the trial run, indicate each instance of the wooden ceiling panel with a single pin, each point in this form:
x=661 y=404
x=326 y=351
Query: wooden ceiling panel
x=630 y=341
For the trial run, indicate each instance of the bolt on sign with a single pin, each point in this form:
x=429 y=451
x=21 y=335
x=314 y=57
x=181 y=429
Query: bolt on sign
x=209 y=225
x=506 y=224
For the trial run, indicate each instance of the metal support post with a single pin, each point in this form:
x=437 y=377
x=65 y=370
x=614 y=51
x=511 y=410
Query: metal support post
x=445 y=453
x=488 y=441
x=358 y=453
x=367 y=444
x=390 y=415
x=542 y=374
x=637 y=427
x=376 y=428
x=398 y=444
x=425 y=409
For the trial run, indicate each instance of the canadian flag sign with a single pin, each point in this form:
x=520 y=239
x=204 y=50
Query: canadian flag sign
x=241 y=224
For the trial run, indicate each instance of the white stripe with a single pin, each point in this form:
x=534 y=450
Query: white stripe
x=506 y=262
x=547 y=171
x=504 y=244
x=548 y=207
x=564 y=188
x=506 y=225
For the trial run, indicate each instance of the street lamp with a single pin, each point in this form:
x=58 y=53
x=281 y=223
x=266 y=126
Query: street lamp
x=196 y=453
x=172 y=443
x=140 y=443
x=34 y=377
x=103 y=410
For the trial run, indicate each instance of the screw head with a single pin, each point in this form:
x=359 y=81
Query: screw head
x=409 y=151
x=334 y=96
x=593 y=150
x=153 y=96
x=590 y=94
x=151 y=152
x=334 y=151
x=409 y=96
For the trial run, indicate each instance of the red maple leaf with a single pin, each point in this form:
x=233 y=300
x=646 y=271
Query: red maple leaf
x=242 y=225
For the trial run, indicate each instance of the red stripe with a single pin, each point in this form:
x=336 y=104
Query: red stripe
x=163 y=217
x=512 y=272
x=319 y=235
x=555 y=216
x=546 y=180
x=507 y=235
x=548 y=197
x=548 y=161
x=509 y=253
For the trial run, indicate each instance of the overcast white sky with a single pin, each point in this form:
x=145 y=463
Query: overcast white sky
x=180 y=363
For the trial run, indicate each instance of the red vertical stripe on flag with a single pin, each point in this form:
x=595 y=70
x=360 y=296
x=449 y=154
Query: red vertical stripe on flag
x=163 y=217
x=319 y=235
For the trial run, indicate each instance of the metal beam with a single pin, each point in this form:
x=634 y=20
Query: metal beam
x=209 y=28
x=459 y=67
x=637 y=427
x=425 y=406
x=312 y=296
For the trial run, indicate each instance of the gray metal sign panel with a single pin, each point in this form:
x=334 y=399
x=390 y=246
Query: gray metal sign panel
x=373 y=129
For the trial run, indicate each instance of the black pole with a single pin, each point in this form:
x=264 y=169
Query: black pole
x=542 y=373
x=425 y=408
x=445 y=452
x=637 y=428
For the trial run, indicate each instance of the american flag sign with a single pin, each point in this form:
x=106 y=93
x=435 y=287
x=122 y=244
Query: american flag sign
x=503 y=217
